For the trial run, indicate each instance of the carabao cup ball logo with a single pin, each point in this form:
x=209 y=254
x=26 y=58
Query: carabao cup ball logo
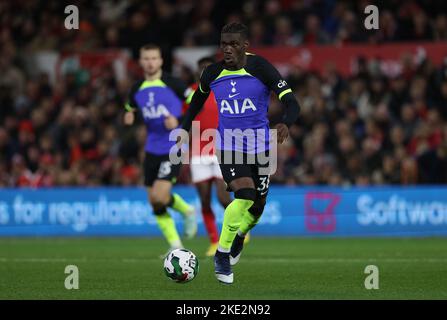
x=181 y=265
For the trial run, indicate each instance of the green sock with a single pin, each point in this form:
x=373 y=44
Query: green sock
x=248 y=222
x=178 y=204
x=232 y=220
x=167 y=227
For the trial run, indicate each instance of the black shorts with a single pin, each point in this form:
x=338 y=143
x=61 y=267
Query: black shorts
x=158 y=167
x=250 y=167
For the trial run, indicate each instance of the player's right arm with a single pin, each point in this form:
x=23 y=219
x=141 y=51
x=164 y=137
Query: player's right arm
x=198 y=99
x=131 y=105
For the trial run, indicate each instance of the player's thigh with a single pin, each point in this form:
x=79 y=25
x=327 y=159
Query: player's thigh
x=215 y=168
x=242 y=183
x=160 y=192
x=158 y=167
x=235 y=172
x=204 y=190
x=262 y=183
x=168 y=171
x=160 y=174
x=151 y=166
x=261 y=176
x=223 y=195
x=237 y=176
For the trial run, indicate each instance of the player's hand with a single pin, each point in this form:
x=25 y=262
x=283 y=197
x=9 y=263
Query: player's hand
x=129 y=118
x=282 y=133
x=171 y=122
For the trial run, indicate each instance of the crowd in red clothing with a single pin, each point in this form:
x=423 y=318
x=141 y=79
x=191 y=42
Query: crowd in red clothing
x=365 y=129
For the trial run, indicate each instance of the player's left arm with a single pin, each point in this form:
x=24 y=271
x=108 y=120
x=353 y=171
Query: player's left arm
x=275 y=82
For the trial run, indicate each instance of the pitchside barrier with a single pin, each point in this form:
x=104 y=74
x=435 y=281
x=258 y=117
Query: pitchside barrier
x=290 y=211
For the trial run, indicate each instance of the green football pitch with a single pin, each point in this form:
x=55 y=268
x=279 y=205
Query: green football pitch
x=270 y=268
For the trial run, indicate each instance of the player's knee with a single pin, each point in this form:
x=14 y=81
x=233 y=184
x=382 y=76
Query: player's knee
x=224 y=202
x=256 y=210
x=261 y=201
x=206 y=204
x=246 y=194
x=158 y=204
x=224 y=199
x=159 y=209
x=258 y=207
x=206 y=208
x=159 y=200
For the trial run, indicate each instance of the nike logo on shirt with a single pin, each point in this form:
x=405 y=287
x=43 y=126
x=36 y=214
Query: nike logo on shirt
x=233 y=95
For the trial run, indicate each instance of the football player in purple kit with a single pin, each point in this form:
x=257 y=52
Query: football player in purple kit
x=159 y=98
x=241 y=83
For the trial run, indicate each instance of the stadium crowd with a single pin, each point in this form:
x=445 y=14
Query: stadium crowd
x=365 y=129
x=36 y=24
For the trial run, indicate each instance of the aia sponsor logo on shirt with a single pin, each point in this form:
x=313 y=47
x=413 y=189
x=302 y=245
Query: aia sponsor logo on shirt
x=235 y=106
x=152 y=111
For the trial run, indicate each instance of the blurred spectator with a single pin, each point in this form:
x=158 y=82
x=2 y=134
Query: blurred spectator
x=12 y=79
x=284 y=35
x=126 y=23
x=313 y=34
x=366 y=129
x=440 y=28
x=388 y=28
x=258 y=34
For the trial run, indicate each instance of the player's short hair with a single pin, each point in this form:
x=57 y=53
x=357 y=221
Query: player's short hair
x=236 y=27
x=207 y=59
x=150 y=46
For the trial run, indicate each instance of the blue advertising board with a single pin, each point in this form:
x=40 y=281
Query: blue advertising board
x=290 y=211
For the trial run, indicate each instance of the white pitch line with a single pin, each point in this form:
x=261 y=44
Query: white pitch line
x=348 y=260
x=247 y=260
x=41 y=260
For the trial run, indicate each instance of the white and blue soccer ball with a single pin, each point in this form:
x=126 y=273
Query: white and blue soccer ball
x=181 y=265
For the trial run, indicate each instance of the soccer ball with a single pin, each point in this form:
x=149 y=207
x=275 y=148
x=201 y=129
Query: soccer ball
x=181 y=265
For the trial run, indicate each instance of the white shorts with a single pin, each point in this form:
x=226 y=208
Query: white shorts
x=204 y=168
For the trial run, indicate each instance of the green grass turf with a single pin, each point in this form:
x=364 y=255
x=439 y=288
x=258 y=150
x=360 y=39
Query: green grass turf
x=270 y=268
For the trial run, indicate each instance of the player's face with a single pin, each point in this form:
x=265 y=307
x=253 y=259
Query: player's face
x=233 y=46
x=150 y=61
